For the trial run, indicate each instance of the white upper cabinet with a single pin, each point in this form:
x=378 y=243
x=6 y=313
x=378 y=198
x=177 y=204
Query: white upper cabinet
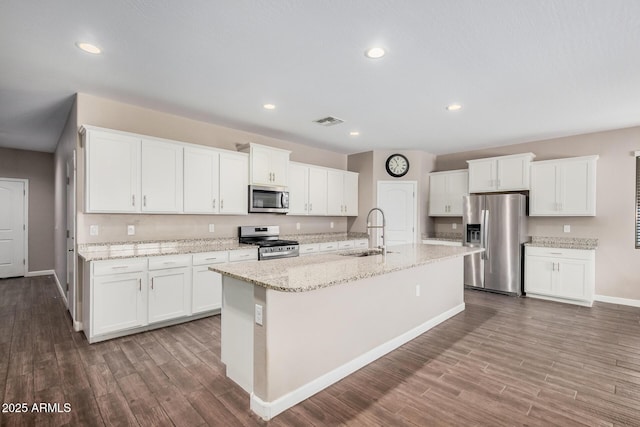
x=445 y=192
x=342 y=193
x=201 y=181
x=112 y=172
x=234 y=183
x=307 y=190
x=317 y=190
x=563 y=187
x=505 y=173
x=267 y=165
x=161 y=172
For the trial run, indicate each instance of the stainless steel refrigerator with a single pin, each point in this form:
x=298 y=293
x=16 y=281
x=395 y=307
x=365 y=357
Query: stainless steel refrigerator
x=498 y=223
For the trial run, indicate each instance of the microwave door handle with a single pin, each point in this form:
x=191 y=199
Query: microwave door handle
x=282 y=200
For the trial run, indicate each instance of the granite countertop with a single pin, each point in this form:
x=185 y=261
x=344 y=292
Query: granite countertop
x=319 y=271
x=451 y=237
x=118 y=250
x=563 y=242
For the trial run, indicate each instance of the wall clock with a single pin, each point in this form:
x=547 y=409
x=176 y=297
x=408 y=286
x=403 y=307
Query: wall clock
x=397 y=165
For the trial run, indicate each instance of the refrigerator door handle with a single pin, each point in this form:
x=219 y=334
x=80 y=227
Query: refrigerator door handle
x=486 y=234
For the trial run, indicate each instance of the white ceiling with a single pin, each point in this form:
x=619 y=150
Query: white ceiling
x=522 y=69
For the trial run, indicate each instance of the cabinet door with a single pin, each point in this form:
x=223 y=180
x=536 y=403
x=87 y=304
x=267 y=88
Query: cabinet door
x=299 y=190
x=438 y=195
x=577 y=188
x=317 y=195
x=573 y=279
x=162 y=179
x=279 y=162
x=118 y=303
x=543 y=198
x=457 y=187
x=112 y=173
x=261 y=166
x=482 y=176
x=335 y=190
x=539 y=275
x=169 y=294
x=201 y=184
x=234 y=183
x=513 y=173
x=350 y=196
x=207 y=289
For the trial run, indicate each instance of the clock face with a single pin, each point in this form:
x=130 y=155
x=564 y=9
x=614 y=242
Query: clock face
x=397 y=165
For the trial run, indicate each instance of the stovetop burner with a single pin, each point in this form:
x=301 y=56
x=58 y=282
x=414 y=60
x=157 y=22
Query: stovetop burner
x=268 y=242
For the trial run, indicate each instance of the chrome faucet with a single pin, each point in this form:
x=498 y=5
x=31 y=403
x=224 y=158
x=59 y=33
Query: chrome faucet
x=384 y=224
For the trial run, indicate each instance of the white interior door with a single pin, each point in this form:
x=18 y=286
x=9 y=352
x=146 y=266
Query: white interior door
x=398 y=201
x=12 y=228
x=71 y=236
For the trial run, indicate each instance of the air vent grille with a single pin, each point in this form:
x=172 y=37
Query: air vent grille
x=329 y=121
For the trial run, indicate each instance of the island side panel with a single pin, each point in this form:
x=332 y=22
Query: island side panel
x=310 y=334
x=236 y=339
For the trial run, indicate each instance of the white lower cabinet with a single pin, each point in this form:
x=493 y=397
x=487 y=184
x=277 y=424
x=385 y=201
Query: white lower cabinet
x=117 y=296
x=309 y=248
x=566 y=275
x=207 y=284
x=169 y=292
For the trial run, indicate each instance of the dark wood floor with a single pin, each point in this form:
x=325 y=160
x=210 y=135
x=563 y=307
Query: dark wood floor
x=503 y=362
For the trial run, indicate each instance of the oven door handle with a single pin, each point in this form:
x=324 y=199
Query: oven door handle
x=280 y=253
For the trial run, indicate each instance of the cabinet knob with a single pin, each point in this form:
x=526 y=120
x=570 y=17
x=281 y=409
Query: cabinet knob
x=144 y=201
x=214 y=203
x=133 y=200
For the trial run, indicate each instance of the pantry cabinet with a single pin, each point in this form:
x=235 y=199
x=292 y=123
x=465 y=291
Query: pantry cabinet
x=563 y=187
x=566 y=275
x=446 y=190
x=112 y=172
x=504 y=173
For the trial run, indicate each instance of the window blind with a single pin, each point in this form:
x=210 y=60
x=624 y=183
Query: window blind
x=637 y=202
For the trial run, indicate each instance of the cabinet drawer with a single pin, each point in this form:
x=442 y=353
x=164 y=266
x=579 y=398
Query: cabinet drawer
x=309 y=248
x=559 y=252
x=172 y=261
x=361 y=244
x=328 y=246
x=243 y=255
x=210 y=258
x=347 y=244
x=118 y=266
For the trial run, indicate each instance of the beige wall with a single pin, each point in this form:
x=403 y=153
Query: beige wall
x=36 y=167
x=617 y=267
x=116 y=115
x=371 y=166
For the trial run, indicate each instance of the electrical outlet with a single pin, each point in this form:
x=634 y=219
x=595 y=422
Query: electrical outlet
x=297 y=226
x=212 y=228
x=417 y=290
x=331 y=224
x=567 y=228
x=258 y=314
x=94 y=230
x=454 y=226
x=131 y=230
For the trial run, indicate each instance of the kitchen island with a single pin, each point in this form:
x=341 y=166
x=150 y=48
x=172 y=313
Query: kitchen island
x=293 y=326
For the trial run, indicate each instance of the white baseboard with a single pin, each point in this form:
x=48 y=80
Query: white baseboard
x=268 y=410
x=616 y=300
x=39 y=273
x=62 y=294
x=77 y=326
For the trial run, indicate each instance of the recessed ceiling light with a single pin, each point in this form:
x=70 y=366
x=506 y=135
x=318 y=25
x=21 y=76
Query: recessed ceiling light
x=89 y=48
x=454 y=107
x=374 y=52
x=354 y=133
x=269 y=106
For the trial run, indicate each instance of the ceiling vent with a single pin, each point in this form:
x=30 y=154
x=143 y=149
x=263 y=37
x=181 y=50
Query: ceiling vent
x=329 y=121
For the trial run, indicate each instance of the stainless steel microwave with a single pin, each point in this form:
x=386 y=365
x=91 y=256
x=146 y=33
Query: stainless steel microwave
x=268 y=199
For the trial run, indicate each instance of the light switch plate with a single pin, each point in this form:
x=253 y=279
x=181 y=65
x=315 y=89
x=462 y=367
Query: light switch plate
x=454 y=226
x=331 y=224
x=212 y=228
x=258 y=314
x=567 y=228
x=94 y=230
x=131 y=230
x=297 y=226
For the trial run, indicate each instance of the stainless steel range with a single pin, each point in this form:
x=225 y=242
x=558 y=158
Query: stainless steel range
x=267 y=238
